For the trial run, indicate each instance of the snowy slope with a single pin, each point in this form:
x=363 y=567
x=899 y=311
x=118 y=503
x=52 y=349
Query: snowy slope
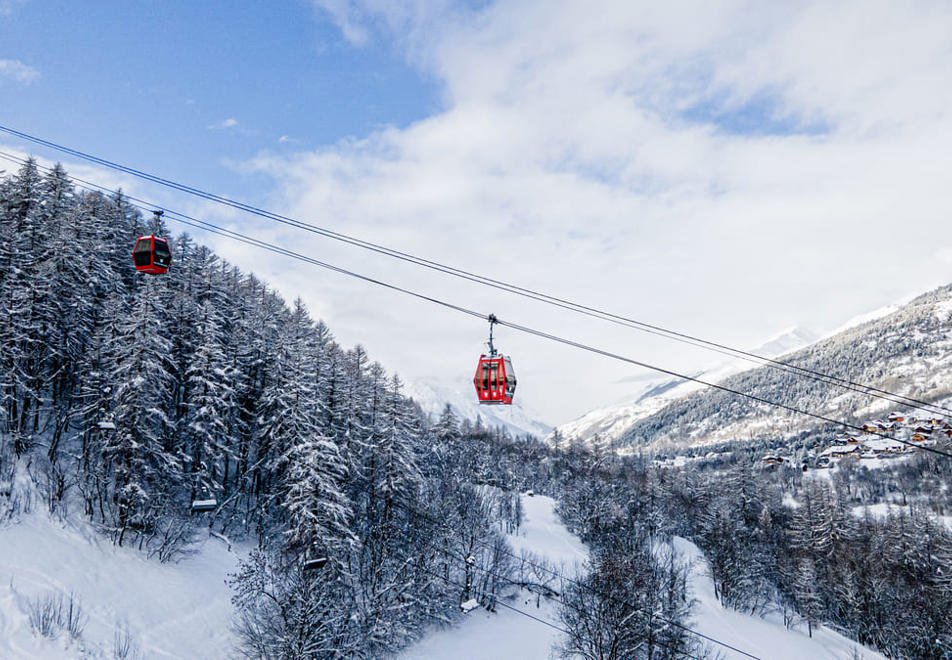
x=515 y=418
x=544 y=535
x=487 y=636
x=611 y=422
x=178 y=610
x=764 y=638
x=183 y=610
x=873 y=315
x=508 y=634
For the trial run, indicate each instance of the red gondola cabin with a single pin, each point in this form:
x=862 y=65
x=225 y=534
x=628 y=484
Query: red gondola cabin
x=495 y=379
x=152 y=255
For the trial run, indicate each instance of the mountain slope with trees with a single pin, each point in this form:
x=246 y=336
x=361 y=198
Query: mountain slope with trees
x=908 y=352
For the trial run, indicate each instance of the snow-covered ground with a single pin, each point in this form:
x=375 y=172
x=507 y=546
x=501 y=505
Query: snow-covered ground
x=544 y=535
x=506 y=633
x=764 y=638
x=883 y=509
x=487 y=636
x=183 y=610
x=180 y=610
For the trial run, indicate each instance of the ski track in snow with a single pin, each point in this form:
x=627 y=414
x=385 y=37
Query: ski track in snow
x=544 y=535
x=180 y=610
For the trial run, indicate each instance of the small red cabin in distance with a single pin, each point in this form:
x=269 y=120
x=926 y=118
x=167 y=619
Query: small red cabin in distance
x=495 y=379
x=152 y=255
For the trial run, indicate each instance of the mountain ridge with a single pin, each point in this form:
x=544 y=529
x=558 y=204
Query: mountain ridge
x=902 y=348
x=609 y=423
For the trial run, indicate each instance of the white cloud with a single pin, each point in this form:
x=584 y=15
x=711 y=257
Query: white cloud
x=605 y=153
x=225 y=124
x=18 y=71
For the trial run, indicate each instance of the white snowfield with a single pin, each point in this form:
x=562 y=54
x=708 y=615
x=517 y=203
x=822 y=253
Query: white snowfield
x=544 y=535
x=180 y=610
x=881 y=510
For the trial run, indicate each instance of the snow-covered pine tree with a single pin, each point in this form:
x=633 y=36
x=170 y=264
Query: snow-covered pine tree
x=210 y=398
x=291 y=441
x=145 y=466
x=23 y=335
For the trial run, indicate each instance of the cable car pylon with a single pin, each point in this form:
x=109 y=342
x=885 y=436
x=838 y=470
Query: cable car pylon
x=495 y=379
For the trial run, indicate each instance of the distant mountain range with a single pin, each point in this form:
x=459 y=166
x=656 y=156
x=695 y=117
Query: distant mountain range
x=609 y=424
x=905 y=349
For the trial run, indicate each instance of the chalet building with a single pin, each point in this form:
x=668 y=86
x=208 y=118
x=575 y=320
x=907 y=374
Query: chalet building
x=926 y=430
x=847 y=439
x=877 y=448
x=851 y=451
x=870 y=427
x=773 y=460
x=919 y=437
x=828 y=455
x=896 y=417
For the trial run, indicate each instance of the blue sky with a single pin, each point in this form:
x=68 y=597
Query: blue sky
x=729 y=169
x=177 y=88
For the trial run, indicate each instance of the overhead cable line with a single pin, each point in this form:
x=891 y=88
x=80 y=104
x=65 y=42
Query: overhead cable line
x=561 y=576
x=216 y=229
x=498 y=602
x=190 y=221
x=549 y=623
x=837 y=381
